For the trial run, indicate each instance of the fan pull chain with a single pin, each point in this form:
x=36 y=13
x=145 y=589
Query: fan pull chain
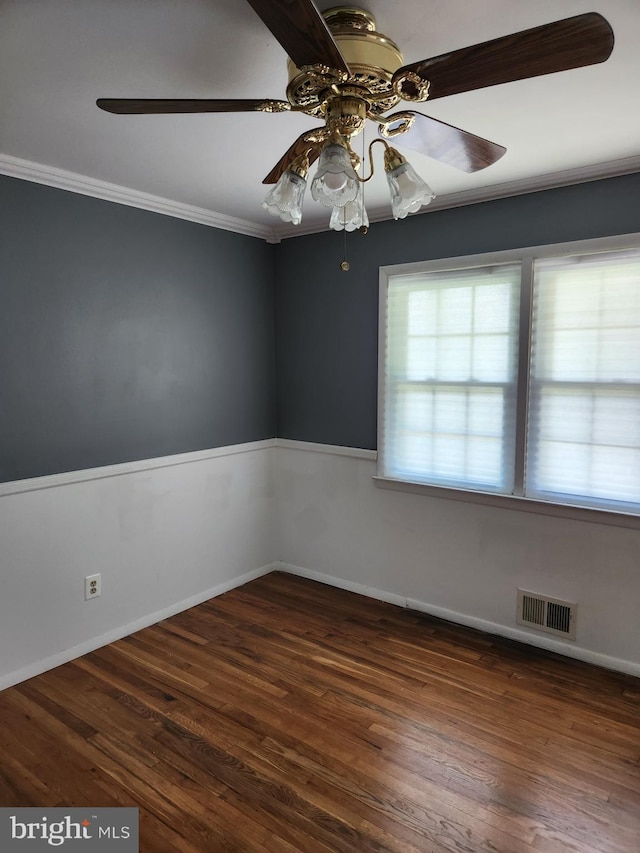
x=345 y=265
x=363 y=228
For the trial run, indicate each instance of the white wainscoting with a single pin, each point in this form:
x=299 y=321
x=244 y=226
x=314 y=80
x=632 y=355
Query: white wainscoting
x=457 y=560
x=170 y=533
x=164 y=534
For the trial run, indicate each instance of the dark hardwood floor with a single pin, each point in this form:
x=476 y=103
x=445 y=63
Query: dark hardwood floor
x=292 y=717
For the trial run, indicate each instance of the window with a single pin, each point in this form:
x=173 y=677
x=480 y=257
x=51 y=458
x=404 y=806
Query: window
x=451 y=374
x=584 y=423
x=516 y=374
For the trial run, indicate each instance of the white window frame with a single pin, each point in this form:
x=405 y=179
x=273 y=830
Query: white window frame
x=526 y=257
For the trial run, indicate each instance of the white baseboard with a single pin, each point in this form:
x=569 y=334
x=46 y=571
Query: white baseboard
x=125 y=630
x=576 y=652
x=566 y=649
x=572 y=651
x=350 y=586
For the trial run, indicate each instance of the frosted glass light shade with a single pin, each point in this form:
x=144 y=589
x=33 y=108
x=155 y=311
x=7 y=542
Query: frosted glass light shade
x=350 y=217
x=285 y=199
x=335 y=183
x=408 y=191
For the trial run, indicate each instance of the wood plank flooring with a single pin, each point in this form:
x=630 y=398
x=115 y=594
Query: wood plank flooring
x=291 y=717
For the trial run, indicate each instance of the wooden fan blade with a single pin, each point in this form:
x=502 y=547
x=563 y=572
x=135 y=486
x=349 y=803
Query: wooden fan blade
x=570 y=43
x=302 y=32
x=298 y=148
x=448 y=144
x=152 y=106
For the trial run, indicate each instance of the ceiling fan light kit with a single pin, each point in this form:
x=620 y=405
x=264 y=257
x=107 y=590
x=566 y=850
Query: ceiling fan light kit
x=335 y=182
x=408 y=191
x=285 y=199
x=352 y=217
x=343 y=72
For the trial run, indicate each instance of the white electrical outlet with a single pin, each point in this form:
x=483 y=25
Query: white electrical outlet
x=92 y=587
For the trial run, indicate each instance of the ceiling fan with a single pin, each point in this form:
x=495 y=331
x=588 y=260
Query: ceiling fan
x=343 y=72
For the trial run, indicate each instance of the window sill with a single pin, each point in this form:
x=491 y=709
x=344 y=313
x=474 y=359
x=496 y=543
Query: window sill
x=513 y=502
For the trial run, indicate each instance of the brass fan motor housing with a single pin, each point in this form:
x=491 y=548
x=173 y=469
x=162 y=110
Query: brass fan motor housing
x=371 y=56
x=346 y=113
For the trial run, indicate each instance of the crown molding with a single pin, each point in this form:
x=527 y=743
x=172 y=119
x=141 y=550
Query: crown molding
x=38 y=173
x=553 y=180
x=50 y=176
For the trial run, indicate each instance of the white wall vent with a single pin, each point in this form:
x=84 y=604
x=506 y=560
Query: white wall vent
x=547 y=614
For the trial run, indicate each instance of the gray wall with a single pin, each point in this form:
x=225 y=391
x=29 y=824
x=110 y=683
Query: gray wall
x=327 y=320
x=128 y=335
x=125 y=334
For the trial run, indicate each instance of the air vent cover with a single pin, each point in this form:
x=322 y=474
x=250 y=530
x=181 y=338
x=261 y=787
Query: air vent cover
x=547 y=614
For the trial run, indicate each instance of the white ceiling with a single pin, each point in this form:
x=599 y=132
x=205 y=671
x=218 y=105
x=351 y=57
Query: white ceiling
x=58 y=56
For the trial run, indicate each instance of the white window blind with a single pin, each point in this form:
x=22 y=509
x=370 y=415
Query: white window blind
x=583 y=441
x=516 y=374
x=449 y=384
